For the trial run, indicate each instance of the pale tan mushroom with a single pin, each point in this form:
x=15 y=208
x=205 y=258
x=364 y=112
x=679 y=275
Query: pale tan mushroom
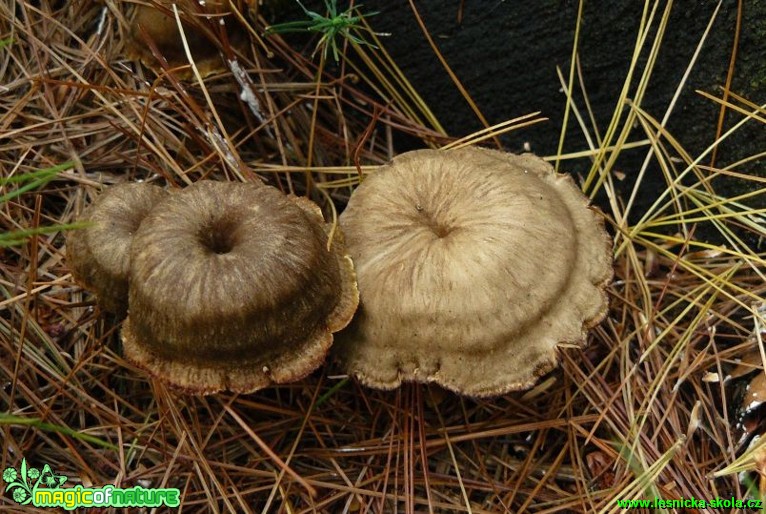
x=474 y=266
x=159 y=25
x=232 y=286
x=99 y=254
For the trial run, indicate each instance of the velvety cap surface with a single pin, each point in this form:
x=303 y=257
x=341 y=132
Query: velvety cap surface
x=473 y=265
x=233 y=287
x=99 y=255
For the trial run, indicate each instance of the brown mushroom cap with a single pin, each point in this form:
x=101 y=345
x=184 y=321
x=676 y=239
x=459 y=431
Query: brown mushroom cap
x=99 y=255
x=473 y=266
x=160 y=25
x=233 y=287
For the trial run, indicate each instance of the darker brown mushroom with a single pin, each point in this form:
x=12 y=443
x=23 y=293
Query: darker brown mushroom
x=233 y=287
x=157 y=25
x=474 y=266
x=98 y=255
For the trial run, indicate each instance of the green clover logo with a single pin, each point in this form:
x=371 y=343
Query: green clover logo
x=18 y=483
x=23 y=483
x=9 y=475
x=19 y=495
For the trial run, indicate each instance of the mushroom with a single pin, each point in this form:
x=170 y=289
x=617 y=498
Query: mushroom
x=474 y=266
x=158 y=23
x=233 y=286
x=98 y=254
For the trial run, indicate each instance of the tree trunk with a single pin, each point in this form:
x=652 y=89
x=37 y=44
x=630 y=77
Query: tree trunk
x=506 y=54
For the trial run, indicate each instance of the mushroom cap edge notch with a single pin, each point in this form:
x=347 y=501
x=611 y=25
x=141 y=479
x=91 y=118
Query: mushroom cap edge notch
x=233 y=288
x=473 y=267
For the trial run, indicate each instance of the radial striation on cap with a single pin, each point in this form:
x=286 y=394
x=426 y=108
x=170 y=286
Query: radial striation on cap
x=473 y=267
x=99 y=254
x=233 y=287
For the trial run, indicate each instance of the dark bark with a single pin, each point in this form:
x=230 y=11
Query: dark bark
x=506 y=52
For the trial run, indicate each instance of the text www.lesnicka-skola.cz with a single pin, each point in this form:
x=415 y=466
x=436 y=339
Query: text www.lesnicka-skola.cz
x=691 y=503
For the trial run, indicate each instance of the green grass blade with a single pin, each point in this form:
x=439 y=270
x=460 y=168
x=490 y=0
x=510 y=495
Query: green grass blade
x=11 y=420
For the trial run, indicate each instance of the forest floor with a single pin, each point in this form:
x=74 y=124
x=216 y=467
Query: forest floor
x=663 y=403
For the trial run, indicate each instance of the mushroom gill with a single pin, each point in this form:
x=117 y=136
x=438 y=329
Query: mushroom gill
x=473 y=267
